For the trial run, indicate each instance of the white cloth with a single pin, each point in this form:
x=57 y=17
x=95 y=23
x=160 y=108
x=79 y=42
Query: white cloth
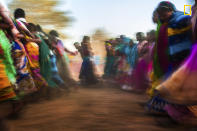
x=22 y=21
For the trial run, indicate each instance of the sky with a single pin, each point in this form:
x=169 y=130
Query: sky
x=115 y=16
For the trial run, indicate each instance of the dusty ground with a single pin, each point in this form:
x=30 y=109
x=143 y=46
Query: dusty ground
x=97 y=108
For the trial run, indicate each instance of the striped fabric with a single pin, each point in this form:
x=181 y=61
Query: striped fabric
x=157 y=104
x=179 y=33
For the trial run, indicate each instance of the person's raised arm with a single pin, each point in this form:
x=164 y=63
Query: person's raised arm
x=70 y=52
x=24 y=29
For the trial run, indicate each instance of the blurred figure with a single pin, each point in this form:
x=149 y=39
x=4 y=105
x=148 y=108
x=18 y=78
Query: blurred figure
x=62 y=58
x=110 y=59
x=140 y=80
x=44 y=58
x=20 y=17
x=140 y=37
x=131 y=53
x=162 y=60
x=7 y=71
x=180 y=88
x=151 y=38
x=87 y=72
x=32 y=49
x=179 y=44
x=25 y=83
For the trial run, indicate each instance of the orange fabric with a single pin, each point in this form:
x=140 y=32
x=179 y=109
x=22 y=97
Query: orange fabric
x=4 y=81
x=33 y=54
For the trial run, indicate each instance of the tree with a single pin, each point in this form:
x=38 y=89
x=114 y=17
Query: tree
x=98 y=42
x=100 y=35
x=43 y=12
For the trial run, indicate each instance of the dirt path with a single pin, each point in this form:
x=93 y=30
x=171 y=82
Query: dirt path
x=99 y=108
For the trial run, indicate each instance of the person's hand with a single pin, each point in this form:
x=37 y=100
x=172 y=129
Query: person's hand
x=14 y=33
x=76 y=52
x=73 y=53
x=20 y=36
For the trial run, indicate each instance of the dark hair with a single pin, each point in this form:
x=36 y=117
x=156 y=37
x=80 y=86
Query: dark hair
x=122 y=36
x=39 y=28
x=152 y=32
x=131 y=41
x=165 y=6
x=76 y=43
x=86 y=38
x=19 y=13
x=155 y=14
x=140 y=33
x=107 y=41
x=54 y=33
x=31 y=27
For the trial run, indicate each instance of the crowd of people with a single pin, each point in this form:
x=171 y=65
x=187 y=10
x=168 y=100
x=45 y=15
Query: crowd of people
x=161 y=63
x=33 y=63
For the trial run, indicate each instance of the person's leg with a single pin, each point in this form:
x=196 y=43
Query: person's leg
x=3 y=125
x=82 y=76
x=90 y=73
x=5 y=110
x=57 y=79
x=107 y=66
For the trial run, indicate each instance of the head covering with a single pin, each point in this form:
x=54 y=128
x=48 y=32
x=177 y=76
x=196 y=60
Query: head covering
x=54 y=33
x=126 y=40
x=166 y=5
x=140 y=34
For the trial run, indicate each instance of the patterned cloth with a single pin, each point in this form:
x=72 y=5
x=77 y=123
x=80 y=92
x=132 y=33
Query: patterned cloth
x=7 y=59
x=157 y=104
x=25 y=83
x=172 y=47
x=33 y=57
x=26 y=86
x=7 y=71
x=180 y=87
x=44 y=61
x=179 y=38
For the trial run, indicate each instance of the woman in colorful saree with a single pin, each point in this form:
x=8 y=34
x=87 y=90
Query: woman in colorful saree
x=179 y=90
x=131 y=52
x=24 y=80
x=44 y=57
x=172 y=47
x=62 y=58
x=7 y=70
x=32 y=50
x=110 y=59
x=87 y=73
x=140 y=80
